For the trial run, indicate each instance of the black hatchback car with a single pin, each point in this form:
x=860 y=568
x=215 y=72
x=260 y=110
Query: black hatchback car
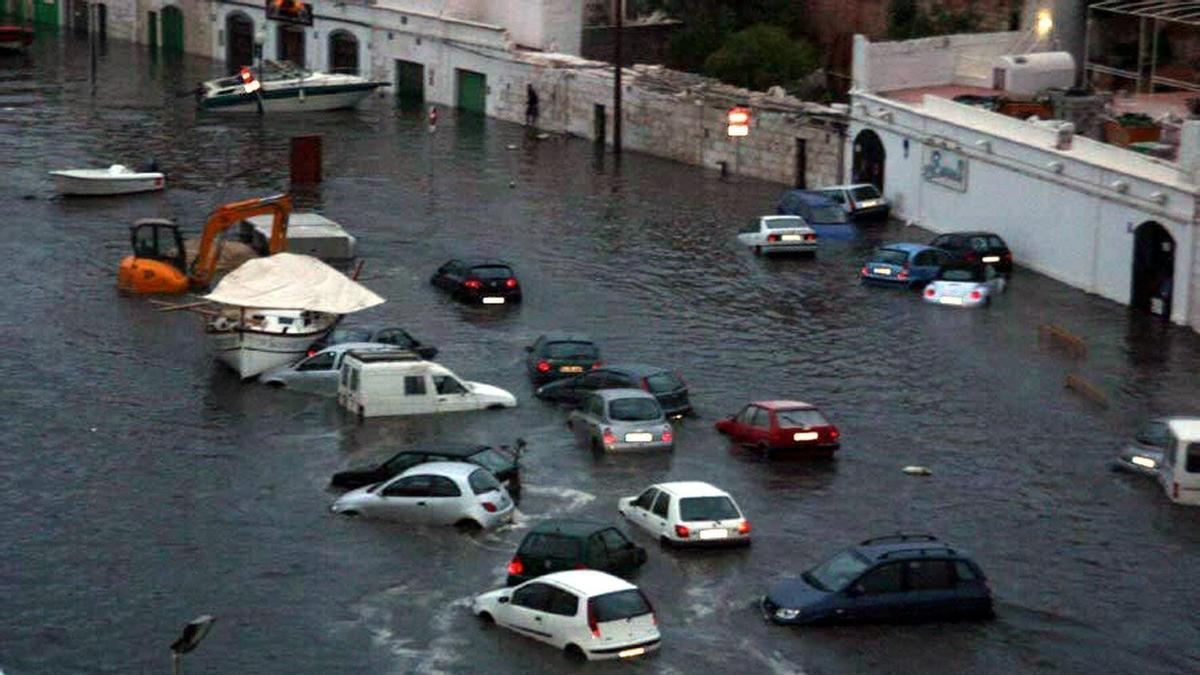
x=556 y=355
x=391 y=335
x=479 y=281
x=557 y=545
x=977 y=247
x=502 y=461
x=666 y=386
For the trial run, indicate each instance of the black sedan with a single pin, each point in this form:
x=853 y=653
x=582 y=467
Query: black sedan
x=977 y=247
x=391 y=335
x=479 y=281
x=666 y=386
x=557 y=355
x=504 y=463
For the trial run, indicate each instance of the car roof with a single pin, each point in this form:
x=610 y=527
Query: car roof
x=907 y=247
x=564 y=336
x=343 y=346
x=849 y=186
x=588 y=582
x=462 y=450
x=973 y=233
x=783 y=404
x=622 y=392
x=691 y=488
x=634 y=368
x=811 y=197
x=907 y=546
x=1185 y=429
x=448 y=469
x=483 y=262
x=571 y=527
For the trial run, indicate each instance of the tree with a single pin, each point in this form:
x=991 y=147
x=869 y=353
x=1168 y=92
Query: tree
x=762 y=56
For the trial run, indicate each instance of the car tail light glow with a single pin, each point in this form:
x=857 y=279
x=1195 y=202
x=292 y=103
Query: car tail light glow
x=592 y=619
x=473 y=283
x=1175 y=490
x=609 y=437
x=744 y=527
x=971 y=256
x=580 y=566
x=516 y=567
x=834 y=433
x=772 y=237
x=975 y=295
x=929 y=292
x=312 y=352
x=682 y=532
x=864 y=271
x=810 y=237
x=667 y=436
x=903 y=276
x=645 y=384
x=511 y=282
x=489 y=507
x=543 y=367
x=597 y=364
x=1007 y=256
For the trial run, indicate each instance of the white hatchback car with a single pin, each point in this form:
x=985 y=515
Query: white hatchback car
x=688 y=513
x=434 y=493
x=588 y=614
x=964 y=285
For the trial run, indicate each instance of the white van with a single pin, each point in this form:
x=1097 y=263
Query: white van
x=1180 y=469
x=398 y=382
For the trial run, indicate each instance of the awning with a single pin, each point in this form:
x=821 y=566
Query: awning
x=292 y=281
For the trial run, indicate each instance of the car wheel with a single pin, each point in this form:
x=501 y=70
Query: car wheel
x=350 y=514
x=574 y=653
x=468 y=525
x=664 y=542
x=486 y=619
x=495 y=406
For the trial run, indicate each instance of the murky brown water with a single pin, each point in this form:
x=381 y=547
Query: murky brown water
x=143 y=485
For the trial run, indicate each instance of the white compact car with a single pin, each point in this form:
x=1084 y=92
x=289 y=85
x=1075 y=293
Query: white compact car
x=588 y=614
x=318 y=373
x=434 y=493
x=399 y=382
x=861 y=201
x=687 y=513
x=781 y=234
x=964 y=285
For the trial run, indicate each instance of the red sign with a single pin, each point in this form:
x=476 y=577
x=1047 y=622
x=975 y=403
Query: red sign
x=738 y=119
x=290 y=11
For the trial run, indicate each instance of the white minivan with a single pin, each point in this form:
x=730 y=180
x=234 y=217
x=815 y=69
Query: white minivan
x=398 y=382
x=1180 y=469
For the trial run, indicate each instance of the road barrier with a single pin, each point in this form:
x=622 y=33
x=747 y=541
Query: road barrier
x=1085 y=388
x=1062 y=339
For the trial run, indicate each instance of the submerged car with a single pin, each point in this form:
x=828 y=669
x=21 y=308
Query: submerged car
x=781 y=426
x=502 y=461
x=780 y=234
x=564 y=544
x=587 y=614
x=825 y=216
x=666 y=386
x=977 y=247
x=396 y=382
x=318 y=372
x=1144 y=454
x=436 y=493
x=478 y=281
x=961 y=284
x=616 y=420
x=688 y=513
x=907 y=265
x=395 y=336
x=909 y=577
x=558 y=354
x=861 y=201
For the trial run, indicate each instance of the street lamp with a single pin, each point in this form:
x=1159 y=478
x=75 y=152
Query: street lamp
x=193 y=633
x=260 y=38
x=1044 y=23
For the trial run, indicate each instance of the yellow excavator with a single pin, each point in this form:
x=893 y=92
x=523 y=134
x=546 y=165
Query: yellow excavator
x=159 y=260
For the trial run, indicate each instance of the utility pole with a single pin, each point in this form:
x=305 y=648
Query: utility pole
x=93 y=19
x=617 y=77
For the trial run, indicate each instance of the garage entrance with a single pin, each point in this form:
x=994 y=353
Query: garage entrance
x=172 y=30
x=1153 y=269
x=472 y=91
x=410 y=81
x=869 y=159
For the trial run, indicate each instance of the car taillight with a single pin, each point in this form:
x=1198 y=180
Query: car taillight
x=510 y=282
x=609 y=437
x=971 y=256
x=975 y=295
x=516 y=567
x=903 y=276
x=667 y=436
x=592 y=619
x=864 y=271
x=580 y=566
x=834 y=433
x=473 y=283
x=810 y=237
x=645 y=384
x=929 y=292
x=682 y=532
x=1007 y=256
x=597 y=364
x=543 y=367
x=772 y=237
x=1175 y=490
x=744 y=527
x=489 y=507
x=312 y=352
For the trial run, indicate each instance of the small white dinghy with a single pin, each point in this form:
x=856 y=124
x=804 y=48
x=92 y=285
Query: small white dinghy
x=115 y=180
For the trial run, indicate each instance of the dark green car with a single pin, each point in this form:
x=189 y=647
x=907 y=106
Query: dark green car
x=557 y=545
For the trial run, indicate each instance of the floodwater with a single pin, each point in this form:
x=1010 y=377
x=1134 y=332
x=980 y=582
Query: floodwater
x=144 y=485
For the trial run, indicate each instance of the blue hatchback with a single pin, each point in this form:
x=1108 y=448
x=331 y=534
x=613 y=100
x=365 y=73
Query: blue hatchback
x=899 y=577
x=819 y=212
x=911 y=265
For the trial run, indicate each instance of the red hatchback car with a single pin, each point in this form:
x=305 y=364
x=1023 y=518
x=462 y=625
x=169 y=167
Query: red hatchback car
x=781 y=425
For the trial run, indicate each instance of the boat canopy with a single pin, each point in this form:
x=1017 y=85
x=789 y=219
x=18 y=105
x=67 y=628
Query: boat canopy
x=292 y=281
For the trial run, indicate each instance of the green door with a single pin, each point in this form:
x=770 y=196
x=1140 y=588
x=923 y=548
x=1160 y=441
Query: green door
x=45 y=13
x=172 y=30
x=410 y=81
x=152 y=30
x=472 y=91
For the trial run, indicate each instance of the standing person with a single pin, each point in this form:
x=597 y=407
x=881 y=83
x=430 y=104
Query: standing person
x=531 y=106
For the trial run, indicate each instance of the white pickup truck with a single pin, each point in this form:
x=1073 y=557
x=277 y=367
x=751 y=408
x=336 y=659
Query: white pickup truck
x=781 y=234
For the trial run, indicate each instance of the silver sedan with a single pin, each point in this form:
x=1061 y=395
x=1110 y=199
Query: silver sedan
x=318 y=372
x=612 y=420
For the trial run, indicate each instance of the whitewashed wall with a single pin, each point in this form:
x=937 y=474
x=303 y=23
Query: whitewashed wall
x=950 y=59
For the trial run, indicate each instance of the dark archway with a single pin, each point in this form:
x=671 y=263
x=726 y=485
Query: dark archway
x=869 y=159
x=290 y=45
x=1153 y=269
x=239 y=41
x=172 y=30
x=343 y=52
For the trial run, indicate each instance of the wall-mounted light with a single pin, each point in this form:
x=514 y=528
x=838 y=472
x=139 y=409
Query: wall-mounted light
x=1158 y=197
x=1044 y=23
x=984 y=145
x=1055 y=166
x=1120 y=186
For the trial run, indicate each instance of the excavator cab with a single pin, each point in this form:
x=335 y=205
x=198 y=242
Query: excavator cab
x=158 y=263
x=158 y=239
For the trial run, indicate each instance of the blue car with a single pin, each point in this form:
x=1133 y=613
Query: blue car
x=910 y=265
x=899 y=577
x=819 y=212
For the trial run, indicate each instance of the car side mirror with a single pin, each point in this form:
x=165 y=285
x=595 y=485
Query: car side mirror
x=502 y=599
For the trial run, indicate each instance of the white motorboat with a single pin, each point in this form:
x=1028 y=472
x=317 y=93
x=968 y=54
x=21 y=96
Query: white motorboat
x=283 y=87
x=276 y=307
x=115 y=180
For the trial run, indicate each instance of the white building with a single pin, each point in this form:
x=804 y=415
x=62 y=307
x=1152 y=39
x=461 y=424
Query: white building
x=1098 y=217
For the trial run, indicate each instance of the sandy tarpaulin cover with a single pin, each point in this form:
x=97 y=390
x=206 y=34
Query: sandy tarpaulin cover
x=292 y=281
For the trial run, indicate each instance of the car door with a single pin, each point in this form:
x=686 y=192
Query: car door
x=406 y=499
x=560 y=619
x=639 y=510
x=622 y=553
x=444 y=505
x=659 y=520
x=528 y=608
x=587 y=419
x=758 y=431
x=738 y=426
x=533 y=354
x=585 y=384
x=452 y=394
x=317 y=373
x=449 y=275
x=931 y=589
x=878 y=594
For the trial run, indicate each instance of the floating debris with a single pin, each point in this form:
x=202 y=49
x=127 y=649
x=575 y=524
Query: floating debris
x=917 y=471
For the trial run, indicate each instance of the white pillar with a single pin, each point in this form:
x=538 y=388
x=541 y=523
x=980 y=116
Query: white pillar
x=1189 y=151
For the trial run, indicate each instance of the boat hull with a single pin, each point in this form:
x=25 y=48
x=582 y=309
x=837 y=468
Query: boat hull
x=67 y=184
x=15 y=38
x=250 y=353
x=292 y=99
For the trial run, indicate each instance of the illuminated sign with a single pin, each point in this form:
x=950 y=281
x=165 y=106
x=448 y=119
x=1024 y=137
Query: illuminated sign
x=738 y=120
x=290 y=11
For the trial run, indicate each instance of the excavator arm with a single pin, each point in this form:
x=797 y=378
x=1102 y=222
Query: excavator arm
x=225 y=216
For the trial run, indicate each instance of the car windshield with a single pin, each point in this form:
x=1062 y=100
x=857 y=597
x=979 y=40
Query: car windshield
x=491 y=460
x=707 y=508
x=961 y=275
x=663 y=382
x=491 y=272
x=1154 y=434
x=620 y=605
x=864 y=192
x=835 y=573
x=800 y=418
x=482 y=482
x=890 y=256
x=634 y=409
x=571 y=350
x=550 y=546
x=782 y=223
x=828 y=213
x=341 y=335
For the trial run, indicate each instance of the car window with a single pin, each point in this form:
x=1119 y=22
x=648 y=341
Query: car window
x=634 y=409
x=322 y=361
x=1193 y=458
x=563 y=603
x=482 y=482
x=550 y=546
x=414 y=385
x=760 y=418
x=707 y=508
x=571 y=350
x=925 y=258
x=533 y=596
x=835 y=573
x=394 y=337
x=781 y=223
x=662 y=505
x=354 y=379
x=827 y=213
x=597 y=553
x=960 y=274
x=442 y=486
x=341 y=335
x=613 y=539
x=890 y=256
x=745 y=415
x=800 y=418
x=884 y=579
x=411 y=486
x=979 y=243
x=446 y=384
x=1154 y=434
x=964 y=572
x=491 y=272
x=646 y=499
x=930 y=575
x=996 y=242
x=663 y=382
x=864 y=192
x=836 y=195
x=491 y=460
x=619 y=605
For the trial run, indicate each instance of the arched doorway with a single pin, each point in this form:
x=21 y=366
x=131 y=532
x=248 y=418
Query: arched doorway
x=239 y=41
x=290 y=44
x=869 y=159
x=1153 y=269
x=172 y=30
x=343 y=52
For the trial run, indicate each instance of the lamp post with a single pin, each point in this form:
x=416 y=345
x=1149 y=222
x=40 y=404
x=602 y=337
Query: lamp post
x=260 y=38
x=620 y=4
x=189 y=639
